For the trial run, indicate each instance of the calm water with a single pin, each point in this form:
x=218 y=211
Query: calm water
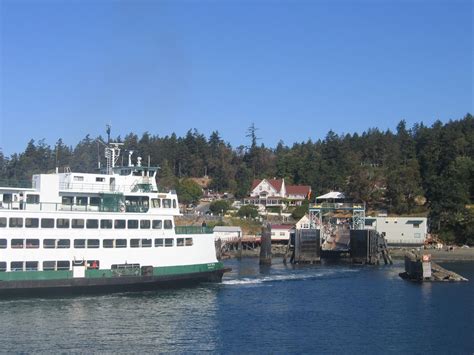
x=318 y=309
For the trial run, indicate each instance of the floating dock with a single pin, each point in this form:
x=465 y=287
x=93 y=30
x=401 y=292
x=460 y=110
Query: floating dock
x=420 y=268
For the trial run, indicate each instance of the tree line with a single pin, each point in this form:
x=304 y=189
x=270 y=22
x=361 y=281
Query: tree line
x=412 y=170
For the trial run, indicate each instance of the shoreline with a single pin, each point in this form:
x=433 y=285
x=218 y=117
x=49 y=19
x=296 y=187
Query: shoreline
x=455 y=255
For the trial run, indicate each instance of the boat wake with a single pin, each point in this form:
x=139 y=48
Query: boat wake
x=333 y=274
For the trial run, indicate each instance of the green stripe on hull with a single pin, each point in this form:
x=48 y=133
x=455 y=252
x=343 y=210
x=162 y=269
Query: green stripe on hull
x=93 y=274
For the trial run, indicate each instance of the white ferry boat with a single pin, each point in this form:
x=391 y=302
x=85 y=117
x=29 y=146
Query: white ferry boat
x=114 y=231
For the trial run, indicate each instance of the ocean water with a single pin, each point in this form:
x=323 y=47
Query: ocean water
x=324 y=309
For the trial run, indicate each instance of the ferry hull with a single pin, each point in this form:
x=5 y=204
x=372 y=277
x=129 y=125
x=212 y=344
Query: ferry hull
x=80 y=286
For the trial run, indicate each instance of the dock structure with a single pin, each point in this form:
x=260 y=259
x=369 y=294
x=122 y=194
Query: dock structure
x=368 y=247
x=420 y=268
x=304 y=247
x=266 y=246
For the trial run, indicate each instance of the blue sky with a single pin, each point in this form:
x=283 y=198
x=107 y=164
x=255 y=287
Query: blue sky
x=294 y=68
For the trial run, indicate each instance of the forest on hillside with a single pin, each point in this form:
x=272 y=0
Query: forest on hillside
x=419 y=169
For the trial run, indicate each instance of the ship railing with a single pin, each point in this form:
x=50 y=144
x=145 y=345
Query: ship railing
x=53 y=207
x=91 y=187
x=193 y=230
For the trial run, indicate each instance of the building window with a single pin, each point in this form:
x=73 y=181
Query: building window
x=47 y=222
x=31 y=222
x=282 y=234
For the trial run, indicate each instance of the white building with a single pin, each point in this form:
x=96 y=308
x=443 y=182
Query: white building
x=303 y=223
x=400 y=230
x=227 y=233
x=281 y=232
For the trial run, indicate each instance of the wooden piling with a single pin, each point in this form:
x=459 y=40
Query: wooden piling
x=266 y=246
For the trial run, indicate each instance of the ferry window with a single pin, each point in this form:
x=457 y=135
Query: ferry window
x=49 y=243
x=47 y=222
x=174 y=203
x=132 y=224
x=95 y=201
x=146 y=243
x=180 y=242
x=78 y=178
x=3 y=222
x=77 y=223
x=121 y=243
x=99 y=179
x=3 y=266
x=79 y=243
x=106 y=223
x=31 y=222
x=168 y=224
x=92 y=223
x=158 y=242
x=67 y=200
x=134 y=243
x=32 y=199
x=49 y=265
x=16 y=222
x=144 y=224
x=155 y=203
x=64 y=244
x=92 y=264
x=31 y=266
x=166 y=203
x=189 y=242
x=157 y=224
x=3 y=243
x=81 y=201
x=32 y=243
x=108 y=243
x=137 y=173
x=63 y=265
x=168 y=242
x=17 y=243
x=62 y=223
x=93 y=243
x=16 y=266
x=119 y=224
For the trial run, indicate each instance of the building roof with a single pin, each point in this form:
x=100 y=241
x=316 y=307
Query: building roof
x=275 y=183
x=333 y=195
x=302 y=190
x=255 y=183
x=282 y=226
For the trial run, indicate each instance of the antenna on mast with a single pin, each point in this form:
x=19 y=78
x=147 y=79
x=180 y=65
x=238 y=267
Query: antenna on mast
x=108 y=127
